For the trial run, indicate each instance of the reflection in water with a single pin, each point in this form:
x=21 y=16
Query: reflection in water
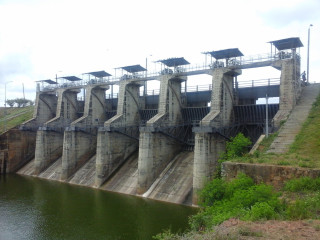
x=32 y=208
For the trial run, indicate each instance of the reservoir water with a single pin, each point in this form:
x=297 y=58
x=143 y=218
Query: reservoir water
x=32 y=208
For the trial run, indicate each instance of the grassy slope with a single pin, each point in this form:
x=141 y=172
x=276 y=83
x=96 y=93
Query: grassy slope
x=15 y=116
x=304 y=152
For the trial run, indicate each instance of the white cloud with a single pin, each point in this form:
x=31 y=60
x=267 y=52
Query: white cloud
x=72 y=37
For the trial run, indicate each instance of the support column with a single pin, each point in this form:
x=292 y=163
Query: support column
x=49 y=138
x=19 y=145
x=44 y=110
x=208 y=143
x=290 y=88
x=156 y=150
x=119 y=138
x=80 y=139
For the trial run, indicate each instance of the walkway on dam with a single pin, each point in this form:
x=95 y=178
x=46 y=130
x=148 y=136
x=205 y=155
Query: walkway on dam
x=295 y=120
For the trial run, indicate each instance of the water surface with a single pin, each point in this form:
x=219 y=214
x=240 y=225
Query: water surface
x=33 y=208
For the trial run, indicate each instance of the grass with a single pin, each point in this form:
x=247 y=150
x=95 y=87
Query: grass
x=14 y=116
x=245 y=231
x=304 y=152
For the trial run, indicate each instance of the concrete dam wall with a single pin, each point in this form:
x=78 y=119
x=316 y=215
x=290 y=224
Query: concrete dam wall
x=164 y=148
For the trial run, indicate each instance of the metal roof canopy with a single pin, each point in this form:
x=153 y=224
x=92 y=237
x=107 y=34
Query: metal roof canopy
x=226 y=53
x=174 y=62
x=99 y=74
x=47 y=81
x=134 y=68
x=71 y=78
x=287 y=43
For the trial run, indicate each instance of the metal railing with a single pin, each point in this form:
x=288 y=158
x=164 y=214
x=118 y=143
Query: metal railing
x=208 y=87
x=258 y=83
x=191 y=69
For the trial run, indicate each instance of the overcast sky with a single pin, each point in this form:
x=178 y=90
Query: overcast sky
x=39 y=38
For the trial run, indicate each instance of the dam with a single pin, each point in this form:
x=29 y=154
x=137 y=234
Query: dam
x=163 y=144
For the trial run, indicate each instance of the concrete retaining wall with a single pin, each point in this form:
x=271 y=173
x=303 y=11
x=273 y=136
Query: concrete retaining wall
x=269 y=174
x=21 y=145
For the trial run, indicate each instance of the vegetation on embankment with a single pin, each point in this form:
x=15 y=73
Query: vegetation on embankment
x=14 y=116
x=304 y=152
x=246 y=201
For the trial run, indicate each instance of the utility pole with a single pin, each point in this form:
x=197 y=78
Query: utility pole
x=308 y=52
x=145 y=82
x=24 y=97
x=267 y=118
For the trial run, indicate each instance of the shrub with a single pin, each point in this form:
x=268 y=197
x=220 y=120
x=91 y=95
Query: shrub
x=213 y=191
x=239 y=198
x=166 y=235
x=242 y=182
x=237 y=146
x=304 y=208
x=257 y=193
x=261 y=210
x=302 y=184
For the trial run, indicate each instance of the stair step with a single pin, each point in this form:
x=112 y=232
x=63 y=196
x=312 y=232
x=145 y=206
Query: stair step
x=295 y=120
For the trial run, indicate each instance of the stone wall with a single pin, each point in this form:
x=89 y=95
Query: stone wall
x=270 y=174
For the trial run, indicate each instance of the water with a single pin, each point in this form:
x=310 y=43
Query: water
x=32 y=208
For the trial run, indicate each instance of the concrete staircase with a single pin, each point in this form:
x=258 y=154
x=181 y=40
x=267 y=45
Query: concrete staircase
x=295 y=120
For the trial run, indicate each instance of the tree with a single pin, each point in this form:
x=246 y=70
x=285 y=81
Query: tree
x=21 y=102
x=10 y=102
x=31 y=103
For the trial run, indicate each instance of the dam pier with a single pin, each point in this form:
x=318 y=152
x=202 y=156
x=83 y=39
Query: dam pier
x=162 y=144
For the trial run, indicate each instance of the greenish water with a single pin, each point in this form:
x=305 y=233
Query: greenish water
x=32 y=208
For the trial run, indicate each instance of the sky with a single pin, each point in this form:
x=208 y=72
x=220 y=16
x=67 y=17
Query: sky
x=42 y=38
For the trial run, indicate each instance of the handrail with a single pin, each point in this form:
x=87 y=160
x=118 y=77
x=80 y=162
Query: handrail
x=187 y=70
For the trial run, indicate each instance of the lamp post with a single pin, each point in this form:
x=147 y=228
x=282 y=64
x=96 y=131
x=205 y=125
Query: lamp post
x=60 y=71
x=145 y=82
x=308 y=52
x=267 y=118
x=5 y=105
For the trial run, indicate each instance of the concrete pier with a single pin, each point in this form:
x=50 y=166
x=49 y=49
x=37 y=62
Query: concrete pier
x=18 y=147
x=156 y=150
x=80 y=139
x=49 y=139
x=209 y=143
x=44 y=110
x=119 y=137
x=290 y=88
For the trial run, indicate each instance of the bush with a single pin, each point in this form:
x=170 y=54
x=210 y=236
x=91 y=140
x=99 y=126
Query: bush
x=303 y=184
x=304 y=208
x=242 y=182
x=212 y=192
x=239 y=198
x=237 y=146
x=166 y=235
x=261 y=210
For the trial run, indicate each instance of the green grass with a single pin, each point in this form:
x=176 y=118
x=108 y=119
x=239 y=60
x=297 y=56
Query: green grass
x=304 y=152
x=14 y=116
